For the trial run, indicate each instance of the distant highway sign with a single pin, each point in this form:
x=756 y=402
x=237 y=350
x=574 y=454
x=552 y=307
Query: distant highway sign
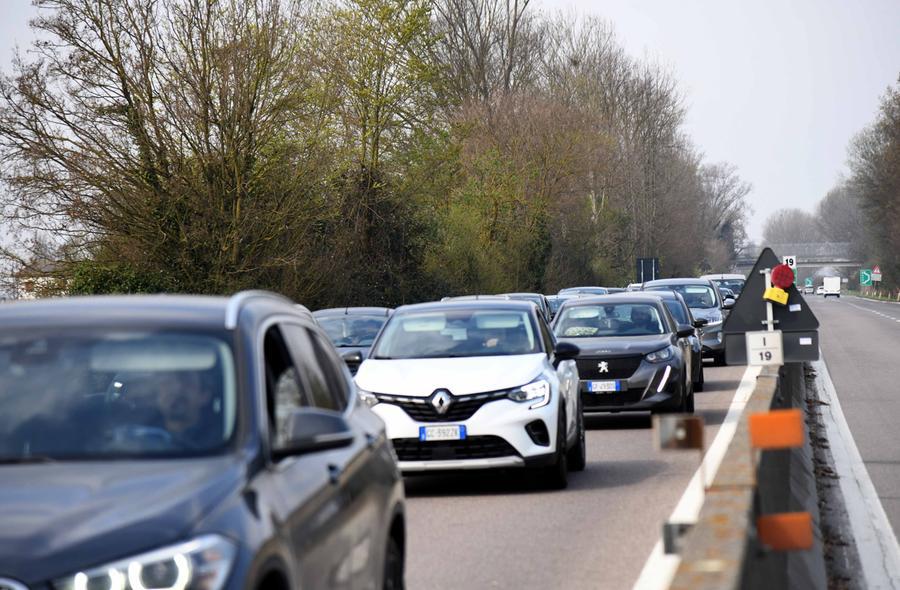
x=876 y=273
x=865 y=277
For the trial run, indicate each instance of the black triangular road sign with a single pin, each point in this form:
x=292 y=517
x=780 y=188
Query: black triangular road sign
x=796 y=320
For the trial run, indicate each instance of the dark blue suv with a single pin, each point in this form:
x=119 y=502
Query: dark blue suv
x=175 y=442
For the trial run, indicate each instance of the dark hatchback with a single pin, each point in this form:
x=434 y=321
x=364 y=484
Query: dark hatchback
x=634 y=356
x=188 y=442
x=352 y=330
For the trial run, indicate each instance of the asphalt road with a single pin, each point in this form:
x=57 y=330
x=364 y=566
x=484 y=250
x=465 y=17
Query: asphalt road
x=860 y=342
x=500 y=530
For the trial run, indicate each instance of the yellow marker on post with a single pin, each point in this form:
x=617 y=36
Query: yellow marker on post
x=776 y=295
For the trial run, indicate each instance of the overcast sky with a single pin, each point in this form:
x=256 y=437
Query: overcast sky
x=777 y=87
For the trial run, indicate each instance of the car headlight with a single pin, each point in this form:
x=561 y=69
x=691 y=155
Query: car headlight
x=200 y=564
x=661 y=355
x=537 y=391
x=367 y=397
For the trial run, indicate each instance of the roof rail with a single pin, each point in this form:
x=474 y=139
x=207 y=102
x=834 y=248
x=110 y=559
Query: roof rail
x=237 y=301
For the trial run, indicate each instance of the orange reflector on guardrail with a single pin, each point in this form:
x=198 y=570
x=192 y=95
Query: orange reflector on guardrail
x=786 y=531
x=778 y=429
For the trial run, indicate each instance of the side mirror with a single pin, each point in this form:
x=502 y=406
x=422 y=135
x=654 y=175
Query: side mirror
x=564 y=351
x=685 y=331
x=354 y=357
x=728 y=303
x=700 y=322
x=311 y=430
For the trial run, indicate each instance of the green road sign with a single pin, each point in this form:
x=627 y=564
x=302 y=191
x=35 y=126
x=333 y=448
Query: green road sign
x=865 y=277
x=809 y=282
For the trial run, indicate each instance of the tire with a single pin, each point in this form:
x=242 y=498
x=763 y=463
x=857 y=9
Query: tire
x=577 y=458
x=393 y=566
x=556 y=476
x=698 y=385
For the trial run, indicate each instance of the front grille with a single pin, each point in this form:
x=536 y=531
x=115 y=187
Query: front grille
x=460 y=408
x=474 y=447
x=618 y=367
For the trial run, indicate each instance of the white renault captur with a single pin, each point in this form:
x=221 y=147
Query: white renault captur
x=476 y=385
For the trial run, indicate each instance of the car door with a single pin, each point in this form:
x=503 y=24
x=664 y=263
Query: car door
x=362 y=480
x=311 y=508
x=567 y=373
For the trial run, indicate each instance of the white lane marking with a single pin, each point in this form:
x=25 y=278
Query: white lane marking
x=659 y=569
x=878 y=313
x=876 y=542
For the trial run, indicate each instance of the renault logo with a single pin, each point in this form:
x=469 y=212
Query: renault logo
x=441 y=400
x=603 y=367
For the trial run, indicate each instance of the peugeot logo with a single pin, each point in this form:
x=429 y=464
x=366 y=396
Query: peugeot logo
x=603 y=367
x=441 y=400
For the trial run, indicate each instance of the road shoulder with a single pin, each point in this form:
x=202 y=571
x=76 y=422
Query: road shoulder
x=876 y=543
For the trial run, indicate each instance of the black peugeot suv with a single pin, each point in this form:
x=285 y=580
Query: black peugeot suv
x=184 y=442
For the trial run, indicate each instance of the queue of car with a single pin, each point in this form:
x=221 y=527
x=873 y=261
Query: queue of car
x=245 y=442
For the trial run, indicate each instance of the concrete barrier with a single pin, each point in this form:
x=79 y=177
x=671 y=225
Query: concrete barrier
x=722 y=551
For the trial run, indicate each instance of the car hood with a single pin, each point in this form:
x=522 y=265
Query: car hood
x=619 y=345
x=59 y=518
x=461 y=376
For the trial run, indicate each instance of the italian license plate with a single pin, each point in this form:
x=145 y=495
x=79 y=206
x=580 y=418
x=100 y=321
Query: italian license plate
x=604 y=386
x=444 y=432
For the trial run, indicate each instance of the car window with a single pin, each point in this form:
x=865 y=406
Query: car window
x=678 y=312
x=311 y=362
x=284 y=388
x=546 y=336
x=457 y=333
x=85 y=394
x=612 y=319
x=333 y=369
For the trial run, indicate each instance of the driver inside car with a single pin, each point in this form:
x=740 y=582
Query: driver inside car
x=183 y=401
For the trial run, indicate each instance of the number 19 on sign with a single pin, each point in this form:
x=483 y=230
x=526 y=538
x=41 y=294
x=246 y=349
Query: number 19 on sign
x=765 y=348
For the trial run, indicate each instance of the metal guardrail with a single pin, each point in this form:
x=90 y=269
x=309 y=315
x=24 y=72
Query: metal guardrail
x=722 y=550
x=713 y=550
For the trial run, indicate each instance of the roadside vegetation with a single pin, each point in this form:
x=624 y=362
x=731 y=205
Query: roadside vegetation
x=362 y=151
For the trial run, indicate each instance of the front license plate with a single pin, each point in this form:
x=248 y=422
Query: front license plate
x=604 y=386
x=448 y=432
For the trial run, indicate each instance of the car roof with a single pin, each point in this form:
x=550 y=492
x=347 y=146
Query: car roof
x=476 y=298
x=339 y=311
x=523 y=294
x=616 y=298
x=678 y=281
x=510 y=304
x=724 y=276
x=661 y=293
x=197 y=311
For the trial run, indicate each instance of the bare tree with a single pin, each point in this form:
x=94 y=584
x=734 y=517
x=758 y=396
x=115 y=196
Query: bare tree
x=791 y=226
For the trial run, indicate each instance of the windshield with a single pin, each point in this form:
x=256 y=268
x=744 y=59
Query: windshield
x=618 y=319
x=79 y=395
x=457 y=333
x=696 y=296
x=352 y=330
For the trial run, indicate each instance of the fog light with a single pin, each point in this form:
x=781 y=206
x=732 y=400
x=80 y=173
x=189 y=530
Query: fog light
x=538 y=433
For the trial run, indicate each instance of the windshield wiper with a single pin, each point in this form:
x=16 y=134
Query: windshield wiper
x=26 y=460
